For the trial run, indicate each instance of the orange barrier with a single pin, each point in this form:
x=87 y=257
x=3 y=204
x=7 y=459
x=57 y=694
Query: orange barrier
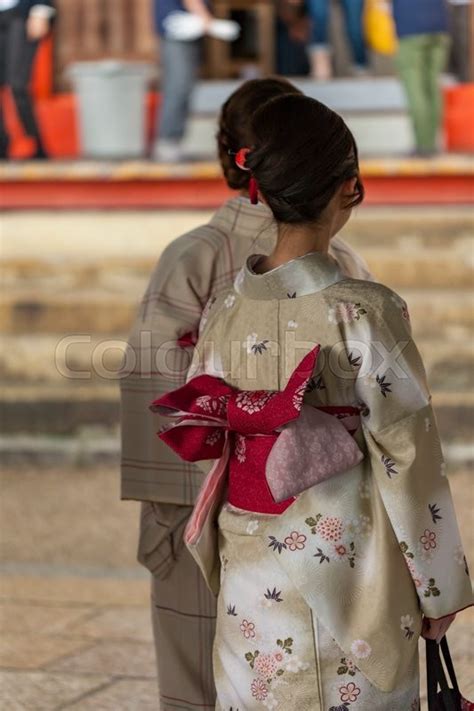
x=459 y=118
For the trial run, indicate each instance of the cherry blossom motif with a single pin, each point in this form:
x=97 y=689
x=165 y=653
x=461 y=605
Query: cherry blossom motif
x=253 y=401
x=419 y=579
x=266 y=666
x=213 y=405
x=361 y=649
x=406 y=625
x=459 y=556
x=270 y=702
x=295 y=665
x=229 y=301
x=259 y=689
x=340 y=550
x=298 y=395
x=248 y=629
x=279 y=657
x=214 y=437
x=349 y=692
x=292 y=324
x=240 y=449
x=345 y=312
x=330 y=528
x=250 y=342
x=252 y=527
x=428 y=539
x=295 y=541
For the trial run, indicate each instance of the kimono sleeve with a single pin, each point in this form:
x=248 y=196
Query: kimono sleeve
x=406 y=457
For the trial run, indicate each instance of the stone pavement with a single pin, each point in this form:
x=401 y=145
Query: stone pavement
x=74 y=620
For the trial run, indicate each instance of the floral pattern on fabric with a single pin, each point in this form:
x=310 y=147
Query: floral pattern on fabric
x=335 y=538
x=346 y=312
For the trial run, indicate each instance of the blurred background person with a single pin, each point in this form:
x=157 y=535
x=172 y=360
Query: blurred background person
x=180 y=49
x=422 y=28
x=319 y=48
x=23 y=23
x=461 y=36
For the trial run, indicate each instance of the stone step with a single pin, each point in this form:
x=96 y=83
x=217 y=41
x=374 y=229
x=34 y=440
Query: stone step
x=57 y=361
x=408 y=265
x=46 y=451
x=64 y=239
x=71 y=408
x=76 y=311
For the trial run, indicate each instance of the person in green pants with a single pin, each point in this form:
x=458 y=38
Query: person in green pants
x=422 y=28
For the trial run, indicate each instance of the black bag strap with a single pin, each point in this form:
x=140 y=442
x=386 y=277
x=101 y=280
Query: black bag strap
x=436 y=677
x=449 y=663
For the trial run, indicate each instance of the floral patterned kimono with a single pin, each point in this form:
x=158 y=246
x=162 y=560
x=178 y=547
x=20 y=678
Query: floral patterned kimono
x=320 y=595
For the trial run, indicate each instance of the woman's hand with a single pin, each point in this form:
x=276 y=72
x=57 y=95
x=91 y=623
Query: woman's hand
x=37 y=27
x=436 y=629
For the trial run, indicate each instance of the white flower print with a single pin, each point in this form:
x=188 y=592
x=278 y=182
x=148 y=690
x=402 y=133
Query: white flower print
x=250 y=341
x=361 y=649
x=213 y=405
x=345 y=312
x=295 y=665
x=292 y=324
x=298 y=396
x=253 y=401
x=240 y=449
x=459 y=555
x=270 y=702
x=406 y=625
x=213 y=437
x=229 y=301
x=252 y=527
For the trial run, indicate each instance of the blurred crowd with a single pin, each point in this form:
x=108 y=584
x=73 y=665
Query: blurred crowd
x=424 y=36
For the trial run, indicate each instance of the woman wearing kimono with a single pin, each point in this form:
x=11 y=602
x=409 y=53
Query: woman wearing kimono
x=326 y=526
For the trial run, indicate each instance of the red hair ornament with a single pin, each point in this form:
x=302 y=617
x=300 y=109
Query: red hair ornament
x=241 y=162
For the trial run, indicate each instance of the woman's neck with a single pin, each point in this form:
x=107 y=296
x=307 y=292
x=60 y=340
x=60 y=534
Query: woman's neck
x=295 y=241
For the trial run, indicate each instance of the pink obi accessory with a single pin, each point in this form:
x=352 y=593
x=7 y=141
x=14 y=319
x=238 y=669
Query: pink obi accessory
x=271 y=445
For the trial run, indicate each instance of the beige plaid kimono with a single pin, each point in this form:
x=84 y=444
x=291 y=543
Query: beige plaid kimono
x=193 y=268
x=320 y=608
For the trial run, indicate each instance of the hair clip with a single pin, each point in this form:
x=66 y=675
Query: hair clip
x=241 y=162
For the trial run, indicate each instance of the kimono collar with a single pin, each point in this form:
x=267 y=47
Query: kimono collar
x=305 y=275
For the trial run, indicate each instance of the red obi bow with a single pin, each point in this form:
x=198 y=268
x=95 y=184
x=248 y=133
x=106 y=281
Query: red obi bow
x=254 y=435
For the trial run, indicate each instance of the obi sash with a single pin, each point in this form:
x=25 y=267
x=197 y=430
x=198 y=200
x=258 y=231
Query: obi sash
x=267 y=445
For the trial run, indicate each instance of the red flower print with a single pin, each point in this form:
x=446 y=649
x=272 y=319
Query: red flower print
x=330 y=528
x=295 y=541
x=428 y=539
x=248 y=629
x=340 y=550
x=278 y=657
x=349 y=692
x=259 y=690
x=266 y=666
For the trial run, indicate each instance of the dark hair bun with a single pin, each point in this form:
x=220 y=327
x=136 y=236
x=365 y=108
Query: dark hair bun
x=235 y=122
x=302 y=153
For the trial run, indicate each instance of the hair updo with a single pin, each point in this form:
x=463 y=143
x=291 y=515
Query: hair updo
x=235 y=123
x=302 y=153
